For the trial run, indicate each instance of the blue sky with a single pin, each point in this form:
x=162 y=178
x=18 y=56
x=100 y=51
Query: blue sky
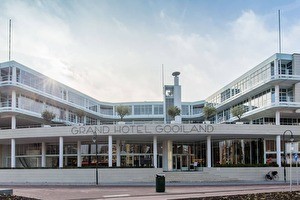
x=113 y=50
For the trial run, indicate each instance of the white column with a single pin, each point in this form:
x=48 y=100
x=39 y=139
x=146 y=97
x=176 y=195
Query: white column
x=250 y=105
x=84 y=120
x=265 y=154
x=208 y=151
x=276 y=94
x=167 y=155
x=43 y=154
x=13 y=122
x=79 y=154
x=110 y=151
x=118 y=153
x=13 y=107
x=276 y=68
x=13 y=153
x=66 y=158
x=61 y=152
x=67 y=114
x=155 y=151
x=277 y=117
x=278 y=150
x=14 y=74
x=13 y=100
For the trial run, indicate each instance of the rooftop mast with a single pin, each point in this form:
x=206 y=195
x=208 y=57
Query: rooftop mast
x=9 y=42
x=279 y=32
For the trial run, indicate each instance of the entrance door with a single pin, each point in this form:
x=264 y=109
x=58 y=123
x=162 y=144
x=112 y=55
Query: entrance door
x=176 y=162
x=184 y=162
x=181 y=162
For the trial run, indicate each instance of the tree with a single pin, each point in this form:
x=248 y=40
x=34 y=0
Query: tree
x=209 y=111
x=48 y=116
x=80 y=114
x=122 y=111
x=173 y=111
x=238 y=111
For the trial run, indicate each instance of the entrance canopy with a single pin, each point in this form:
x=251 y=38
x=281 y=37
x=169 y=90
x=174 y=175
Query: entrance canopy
x=175 y=132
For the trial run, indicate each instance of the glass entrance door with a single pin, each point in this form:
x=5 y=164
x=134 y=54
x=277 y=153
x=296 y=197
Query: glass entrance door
x=184 y=162
x=181 y=162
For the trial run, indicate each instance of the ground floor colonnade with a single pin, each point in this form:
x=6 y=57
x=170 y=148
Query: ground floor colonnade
x=171 y=147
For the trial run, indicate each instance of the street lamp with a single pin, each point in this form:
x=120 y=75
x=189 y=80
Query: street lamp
x=284 y=163
x=95 y=142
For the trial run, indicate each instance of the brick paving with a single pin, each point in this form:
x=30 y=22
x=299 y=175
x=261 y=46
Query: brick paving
x=141 y=192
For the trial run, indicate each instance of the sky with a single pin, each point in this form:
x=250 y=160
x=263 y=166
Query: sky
x=114 y=50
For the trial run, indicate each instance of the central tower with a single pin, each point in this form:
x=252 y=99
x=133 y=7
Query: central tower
x=172 y=97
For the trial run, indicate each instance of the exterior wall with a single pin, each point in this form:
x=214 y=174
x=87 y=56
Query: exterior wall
x=248 y=173
x=77 y=176
x=1 y=155
x=133 y=176
x=196 y=131
x=296 y=64
x=297 y=91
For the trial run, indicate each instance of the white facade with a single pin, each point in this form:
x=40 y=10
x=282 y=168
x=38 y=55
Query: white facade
x=269 y=93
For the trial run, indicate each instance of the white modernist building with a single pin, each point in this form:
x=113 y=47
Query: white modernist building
x=86 y=132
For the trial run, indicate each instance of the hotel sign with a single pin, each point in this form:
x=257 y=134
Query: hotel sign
x=143 y=129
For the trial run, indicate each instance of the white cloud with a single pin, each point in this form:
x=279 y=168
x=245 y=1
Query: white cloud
x=104 y=58
x=162 y=14
x=121 y=26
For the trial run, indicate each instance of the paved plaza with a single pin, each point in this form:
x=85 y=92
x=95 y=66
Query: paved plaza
x=142 y=192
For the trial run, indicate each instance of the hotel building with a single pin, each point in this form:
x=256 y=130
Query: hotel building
x=86 y=131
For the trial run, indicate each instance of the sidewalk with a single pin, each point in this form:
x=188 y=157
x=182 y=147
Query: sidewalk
x=142 y=192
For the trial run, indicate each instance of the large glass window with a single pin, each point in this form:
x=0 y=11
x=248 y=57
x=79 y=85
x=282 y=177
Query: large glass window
x=28 y=103
x=270 y=145
x=238 y=151
x=72 y=117
x=5 y=100
x=158 y=109
x=286 y=95
x=254 y=78
x=285 y=68
x=197 y=109
x=142 y=109
x=106 y=110
x=262 y=99
x=91 y=105
x=6 y=74
x=91 y=121
x=75 y=98
x=185 y=110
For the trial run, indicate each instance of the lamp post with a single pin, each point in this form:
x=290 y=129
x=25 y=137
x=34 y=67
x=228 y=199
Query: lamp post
x=291 y=140
x=291 y=160
x=96 y=143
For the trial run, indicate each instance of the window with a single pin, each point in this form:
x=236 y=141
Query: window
x=270 y=145
x=197 y=109
x=143 y=109
x=185 y=110
x=106 y=110
x=158 y=109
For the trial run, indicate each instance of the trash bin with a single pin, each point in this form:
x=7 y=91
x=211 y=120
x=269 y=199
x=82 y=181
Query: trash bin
x=160 y=183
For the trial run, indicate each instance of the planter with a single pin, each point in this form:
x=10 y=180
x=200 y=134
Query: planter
x=178 y=119
x=206 y=122
x=239 y=122
x=121 y=123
